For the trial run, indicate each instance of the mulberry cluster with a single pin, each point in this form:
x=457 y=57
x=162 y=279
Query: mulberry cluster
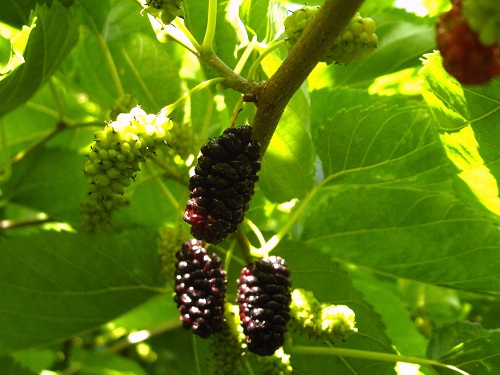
x=357 y=40
x=264 y=304
x=167 y=10
x=484 y=18
x=223 y=184
x=319 y=320
x=200 y=288
x=119 y=148
x=184 y=141
x=464 y=57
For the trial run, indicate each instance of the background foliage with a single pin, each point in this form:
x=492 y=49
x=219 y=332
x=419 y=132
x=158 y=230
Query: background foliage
x=381 y=184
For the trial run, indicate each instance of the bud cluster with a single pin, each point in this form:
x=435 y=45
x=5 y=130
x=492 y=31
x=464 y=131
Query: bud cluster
x=320 y=320
x=119 y=148
x=357 y=40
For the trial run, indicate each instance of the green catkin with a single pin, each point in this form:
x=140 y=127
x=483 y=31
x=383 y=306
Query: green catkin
x=119 y=149
x=185 y=141
x=357 y=40
x=169 y=241
x=96 y=214
x=277 y=364
x=226 y=346
x=319 y=320
x=114 y=160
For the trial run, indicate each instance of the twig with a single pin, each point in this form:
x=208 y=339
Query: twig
x=274 y=95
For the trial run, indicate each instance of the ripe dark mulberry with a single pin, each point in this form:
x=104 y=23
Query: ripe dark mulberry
x=200 y=288
x=223 y=184
x=264 y=300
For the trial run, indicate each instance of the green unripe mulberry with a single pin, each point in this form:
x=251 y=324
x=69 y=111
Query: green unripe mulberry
x=320 y=320
x=357 y=40
x=96 y=213
x=166 y=10
x=119 y=148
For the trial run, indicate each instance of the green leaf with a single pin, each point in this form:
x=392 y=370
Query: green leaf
x=403 y=39
x=382 y=294
x=18 y=46
x=467 y=346
x=126 y=58
x=314 y=271
x=92 y=362
x=36 y=359
x=157 y=311
x=149 y=70
x=56 y=285
x=290 y=150
x=10 y=367
x=467 y=117
x=54 y=36
x=388 y=202
x=254 y=14
x=58 y=192
x=452 y=334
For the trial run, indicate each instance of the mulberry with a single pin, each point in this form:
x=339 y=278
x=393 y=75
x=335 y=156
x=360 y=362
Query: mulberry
x=200 y=288
x=464 y=57
x=223 y=184
x=264 y=301
x=357 y=40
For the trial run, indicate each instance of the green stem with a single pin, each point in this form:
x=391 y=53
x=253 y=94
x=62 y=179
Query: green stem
x=61 y=126
x=233 y=80
x=169 y=171
x=236 y=111
x=244 y=246
x=256 y=64
x=57 y=99
x=196 y=355
x=6 y=172
x=207 y=121
x=386 y=357
x=167 y=110
x=244 y=58
x=208 y=40
x=115 y=77
x=180 y=25
x=273 y=242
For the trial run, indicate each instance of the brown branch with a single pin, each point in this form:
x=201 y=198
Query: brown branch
x=273 y=96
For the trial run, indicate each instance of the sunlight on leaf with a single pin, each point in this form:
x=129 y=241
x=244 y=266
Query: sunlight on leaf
x=468 y=116
x=18 y=45
x=404 y=82
x=462 y=149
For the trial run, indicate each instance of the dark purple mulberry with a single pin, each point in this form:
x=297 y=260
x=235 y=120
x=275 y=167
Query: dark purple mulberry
x=223 y=184
x=200 y=288
x=264 y=299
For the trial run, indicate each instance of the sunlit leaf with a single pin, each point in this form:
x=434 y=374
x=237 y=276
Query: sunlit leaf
x=388 y=201
x=467 y=117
